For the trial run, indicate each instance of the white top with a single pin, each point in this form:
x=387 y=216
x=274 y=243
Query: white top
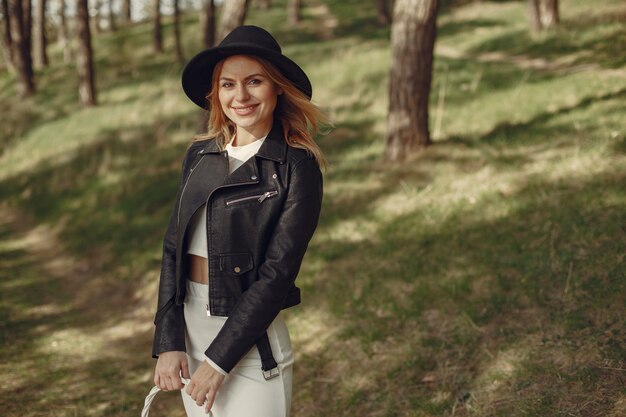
x=197 y=239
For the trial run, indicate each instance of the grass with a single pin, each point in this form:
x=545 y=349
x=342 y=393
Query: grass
x=482 y=277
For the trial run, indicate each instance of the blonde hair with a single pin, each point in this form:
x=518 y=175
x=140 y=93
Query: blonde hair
x=301 y=120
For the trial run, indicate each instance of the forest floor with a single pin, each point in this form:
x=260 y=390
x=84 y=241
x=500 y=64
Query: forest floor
x=484 y=276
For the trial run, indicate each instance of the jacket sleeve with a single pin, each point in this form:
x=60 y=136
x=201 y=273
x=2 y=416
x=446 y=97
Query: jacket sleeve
x=169 y=333
x=262 y=301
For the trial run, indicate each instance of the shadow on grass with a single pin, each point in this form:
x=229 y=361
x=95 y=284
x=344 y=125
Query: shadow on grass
x=509 y=304
x=358 y=19
x=114 y=193
x=107 y=207
x=587 y=41
x=466 y=26
x=503 y=133
x=449 y=299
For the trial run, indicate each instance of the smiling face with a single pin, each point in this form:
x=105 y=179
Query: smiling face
x=247 y=96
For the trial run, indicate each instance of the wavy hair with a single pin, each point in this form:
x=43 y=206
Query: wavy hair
x=300 y=118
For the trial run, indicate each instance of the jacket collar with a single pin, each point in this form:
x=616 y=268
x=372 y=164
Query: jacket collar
x=274 y=147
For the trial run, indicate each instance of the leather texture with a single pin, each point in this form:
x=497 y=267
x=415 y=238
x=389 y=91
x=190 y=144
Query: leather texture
x=260 y=220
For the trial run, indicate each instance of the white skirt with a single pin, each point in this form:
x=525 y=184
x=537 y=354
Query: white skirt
x=244 y=392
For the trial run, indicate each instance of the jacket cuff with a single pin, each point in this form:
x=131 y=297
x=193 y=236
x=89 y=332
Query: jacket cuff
x=169 y=333
x=215 y=366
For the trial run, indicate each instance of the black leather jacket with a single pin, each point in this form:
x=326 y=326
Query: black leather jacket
x=259 y=222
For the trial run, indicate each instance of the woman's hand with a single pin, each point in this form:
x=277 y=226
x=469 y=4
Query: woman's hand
x=169 y=368
x=204 y=385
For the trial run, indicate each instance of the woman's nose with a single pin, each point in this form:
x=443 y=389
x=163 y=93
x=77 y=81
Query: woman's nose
x=242 y=93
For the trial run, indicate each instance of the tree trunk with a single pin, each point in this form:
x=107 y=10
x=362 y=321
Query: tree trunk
x=207 y=22
x=549 y=13
x=112 y=24
x=534 y=15
x=7 y=42
x=96 y=21
x=233 y=15
x=264 y=4
x=157 y=36
x=177 y=45
x=27 y=16
x=41 y=57
x=126 y=14
x=63 y=34
x=293 y=11
x=84 y=56
x=413 y=34
x=20 y=48
x=382 y=13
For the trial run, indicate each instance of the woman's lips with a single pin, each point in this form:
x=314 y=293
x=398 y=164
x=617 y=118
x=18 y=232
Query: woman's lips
x=244 y=111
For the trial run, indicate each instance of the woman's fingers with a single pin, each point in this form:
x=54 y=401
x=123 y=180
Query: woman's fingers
x=202 y=395
x=185 y=369
x=169 y=368
x=210 y=398
x=199 y=395
x=204 y=385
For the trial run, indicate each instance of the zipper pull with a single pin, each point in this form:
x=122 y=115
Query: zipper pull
x=264 y=196
x=208 y=312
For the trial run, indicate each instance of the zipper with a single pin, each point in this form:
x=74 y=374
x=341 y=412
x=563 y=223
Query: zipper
x=260 y=197
x=180 y=202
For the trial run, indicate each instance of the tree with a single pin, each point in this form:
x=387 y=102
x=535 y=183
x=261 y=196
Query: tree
x=7 y=42
x=157 y=36
x=97 y=18
x=207 y=22
x=84 y=56
x=126 y=7
x=42 y=41
x=63 y=34
x=233 y=15
x=534 y=15
x=177 y=44
x=543 y=14
x=27 y=16
x=382 y=13
x=111 y=13
x=413 y=34
x=549 y=13
x=264 y=4
x=20 y=48
x=293 y=11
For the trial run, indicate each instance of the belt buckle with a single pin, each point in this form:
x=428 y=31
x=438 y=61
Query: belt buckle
x=271 y=374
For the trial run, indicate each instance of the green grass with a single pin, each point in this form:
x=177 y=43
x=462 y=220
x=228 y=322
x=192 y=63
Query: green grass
x=485 y=276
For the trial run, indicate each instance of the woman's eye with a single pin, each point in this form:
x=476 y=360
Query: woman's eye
x=254 y=81
x=227 y=85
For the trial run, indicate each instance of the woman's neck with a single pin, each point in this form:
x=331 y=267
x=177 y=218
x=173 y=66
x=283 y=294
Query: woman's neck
x=244 y=137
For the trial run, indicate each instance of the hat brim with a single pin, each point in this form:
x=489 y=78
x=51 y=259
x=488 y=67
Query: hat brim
x=198 y=72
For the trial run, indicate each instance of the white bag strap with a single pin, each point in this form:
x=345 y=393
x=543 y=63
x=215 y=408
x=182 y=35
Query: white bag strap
x=150 y=397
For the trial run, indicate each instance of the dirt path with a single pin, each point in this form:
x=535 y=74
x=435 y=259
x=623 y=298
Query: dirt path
x=68 y=332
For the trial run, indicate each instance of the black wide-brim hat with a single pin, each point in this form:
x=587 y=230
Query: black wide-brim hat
x=243 y=40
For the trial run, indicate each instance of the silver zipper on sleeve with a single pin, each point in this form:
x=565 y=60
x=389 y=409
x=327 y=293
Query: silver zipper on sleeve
x=259 y=197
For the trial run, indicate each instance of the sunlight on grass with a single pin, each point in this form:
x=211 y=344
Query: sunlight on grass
x=313 y=331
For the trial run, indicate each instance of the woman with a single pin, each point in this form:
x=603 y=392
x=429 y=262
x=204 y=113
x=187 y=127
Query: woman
x=247 y=205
